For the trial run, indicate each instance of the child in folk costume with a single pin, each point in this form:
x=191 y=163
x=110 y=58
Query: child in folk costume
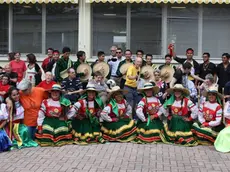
x=149 y=111
x=19 y=132
x=210 y=115
x=117 y=124
x=85 y=125
x=53 y=128
x=223 y=139
x=180 y=113
x=5 y=142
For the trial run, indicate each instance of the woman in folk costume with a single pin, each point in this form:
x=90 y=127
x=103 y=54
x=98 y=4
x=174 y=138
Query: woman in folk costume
x=223 y=139
x=85 y=114
x=210 y=117
x=5 y=142
x=149 y=111
x=16 y=129
x=117 y=124
x=180 y=112
x=53 y=129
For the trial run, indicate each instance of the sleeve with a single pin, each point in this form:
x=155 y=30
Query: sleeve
x=139 y=111
x=3 y=112
x=217 y=121
x=193 y=108
x=41 y=115
x=193 y=90
x=161 y=109
x=57 y=71
x=129 y=109
x=227 y=110
x=104 y=116
x=118 y=70
x=200 y=114
x=78 y=83
x=179 y=60
x=73 y=111
x=218 y=70
x=197 y=67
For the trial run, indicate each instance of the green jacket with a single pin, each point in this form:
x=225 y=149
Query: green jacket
x=119 y=74
x=62 y=65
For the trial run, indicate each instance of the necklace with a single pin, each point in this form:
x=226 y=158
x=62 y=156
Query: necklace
x=205 y=66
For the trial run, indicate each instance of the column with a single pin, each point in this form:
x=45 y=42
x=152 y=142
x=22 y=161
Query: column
x=43 y=28
x=164 y=30
x=84 y=28
x=10 y=30
x=200 y=31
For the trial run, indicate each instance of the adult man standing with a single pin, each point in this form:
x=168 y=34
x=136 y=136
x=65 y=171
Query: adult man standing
x=132 y=77
x=114 y=63
x=168 y=60
x=223 y=71
x=47 y=59
x=140 y=53
x=207 y=67
x=63 y=64
x=195 y=65
x=128 y=55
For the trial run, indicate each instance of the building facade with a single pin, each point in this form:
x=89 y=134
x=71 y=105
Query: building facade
x=93 y=25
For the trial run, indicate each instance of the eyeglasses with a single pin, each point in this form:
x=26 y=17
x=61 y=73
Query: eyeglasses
x=118 y=52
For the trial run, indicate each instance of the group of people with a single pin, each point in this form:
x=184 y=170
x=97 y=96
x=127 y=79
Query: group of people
x=119 y=99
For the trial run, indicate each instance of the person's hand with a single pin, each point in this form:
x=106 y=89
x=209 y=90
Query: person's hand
x=165 y=95
x=69 y=93
x=205 y=124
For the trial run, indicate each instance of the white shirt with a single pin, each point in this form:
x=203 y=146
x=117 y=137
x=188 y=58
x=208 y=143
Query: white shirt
x=114 y=65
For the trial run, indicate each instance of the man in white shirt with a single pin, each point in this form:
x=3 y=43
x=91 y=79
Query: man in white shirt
x=113 y=54
x=114 y=63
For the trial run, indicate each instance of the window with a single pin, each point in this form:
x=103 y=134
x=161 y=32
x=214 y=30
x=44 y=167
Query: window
x=4 y=28
x=62 y=26
x=109 y=26
x=216 y=27
x=183 y=27
x=146 y=27
x=27 y=27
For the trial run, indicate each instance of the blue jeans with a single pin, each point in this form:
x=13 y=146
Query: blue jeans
x=32 y=131
x=132 y=98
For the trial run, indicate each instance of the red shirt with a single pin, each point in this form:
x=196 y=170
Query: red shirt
x=46 y=86
x=4 y=88
x=19 y=67
x=45 y=63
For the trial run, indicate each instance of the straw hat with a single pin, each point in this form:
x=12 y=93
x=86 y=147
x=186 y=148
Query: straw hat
x=55 y=87
x=90 y=87
x=81 y=69
x=167 y=73
x=102 y=67
x=180 y=88
x=148 y=86
x=116 y=89
x=213 y=89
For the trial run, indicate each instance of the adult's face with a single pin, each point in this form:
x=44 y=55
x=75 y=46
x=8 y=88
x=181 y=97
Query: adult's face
x=66 y=54
x=119 y=53
x=7 y=69
x=128 y=55
x=168 y=60
x=225 y=59
x=139 y=54
x=50 y=53
x=83 y=57
x=177 y=93
x=17 y=56
x=113 y=51
x=149 y=60
x=157 y=76
x=149 y=92
x=189 y=55
x=138 y=62
x=72 y=73
x=101 y=58
x=5 y=80
x=212 y=97
x=205 y=58
x=56 y=56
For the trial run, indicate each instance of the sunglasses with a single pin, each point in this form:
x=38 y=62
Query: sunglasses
x=118 y=52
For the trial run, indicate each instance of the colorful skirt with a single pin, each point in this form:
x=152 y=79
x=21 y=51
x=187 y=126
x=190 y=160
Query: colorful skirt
x=55 y=132
x=151 y=133
x=123 y=130
x=85 y=132
x=205 y=135
x=222 y=141
x=21 y=137
x=5 y=143
x=178 y=131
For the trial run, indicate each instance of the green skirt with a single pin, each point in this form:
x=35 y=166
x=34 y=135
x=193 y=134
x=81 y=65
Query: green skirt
x=123 y=130
x=21 y=137
x=205 y=135
x=85 y=132
x=151 y=133
x=222 y=141
x=55 y=132
x=178 y=131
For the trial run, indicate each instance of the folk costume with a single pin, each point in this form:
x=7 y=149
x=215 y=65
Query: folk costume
x=85 y=123
x=222 y=141
x=117 y=124
x=149 y=111
x=5 y=142
x=52 y=121
x=210 y=117
x=20 y=133
x=180 y=114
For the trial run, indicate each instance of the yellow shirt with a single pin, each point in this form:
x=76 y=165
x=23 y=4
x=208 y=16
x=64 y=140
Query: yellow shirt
x=132 y=71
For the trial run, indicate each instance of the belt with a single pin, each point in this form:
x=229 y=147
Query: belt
x=115 y=76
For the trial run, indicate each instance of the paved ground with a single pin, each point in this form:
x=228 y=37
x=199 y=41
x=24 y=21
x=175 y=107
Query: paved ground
x=117 y=157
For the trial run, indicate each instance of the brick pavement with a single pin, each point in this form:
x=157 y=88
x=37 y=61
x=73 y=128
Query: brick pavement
x=116 y=157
